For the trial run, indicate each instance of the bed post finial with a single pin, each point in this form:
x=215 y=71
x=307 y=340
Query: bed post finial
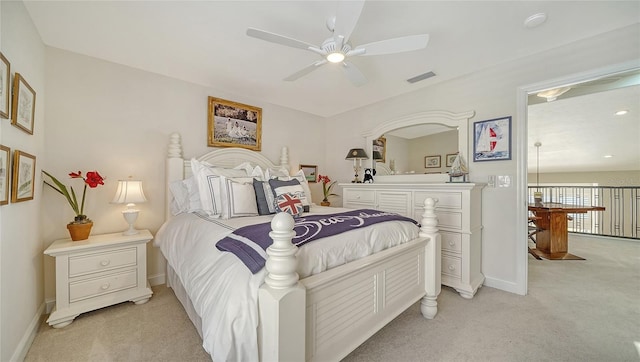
x=282 y=298
x=429 y=229
x=175 y=147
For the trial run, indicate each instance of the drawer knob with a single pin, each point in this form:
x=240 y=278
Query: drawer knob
x=105 y=262
x=452 y=268
x=452 y=243
x=358 y=197
x=105 y=286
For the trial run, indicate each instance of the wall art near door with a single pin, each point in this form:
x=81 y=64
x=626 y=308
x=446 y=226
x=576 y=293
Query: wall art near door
x=492 y=139
x=23 y=109
x=24 y=174
x=5 y=74
x=4 y=174
x=234 y=124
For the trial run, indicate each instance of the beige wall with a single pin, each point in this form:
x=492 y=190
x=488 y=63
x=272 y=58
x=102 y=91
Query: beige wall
x=439 y=144
x=21 y=245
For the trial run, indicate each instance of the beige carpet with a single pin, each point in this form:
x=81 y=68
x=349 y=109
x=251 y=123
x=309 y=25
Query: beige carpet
x=575 y=311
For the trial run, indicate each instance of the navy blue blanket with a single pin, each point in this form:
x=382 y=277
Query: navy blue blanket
x=250 y=242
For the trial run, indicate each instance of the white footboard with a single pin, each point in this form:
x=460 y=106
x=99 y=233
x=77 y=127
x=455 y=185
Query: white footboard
x=326 y=316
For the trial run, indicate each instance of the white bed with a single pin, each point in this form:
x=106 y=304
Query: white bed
x=320 y=317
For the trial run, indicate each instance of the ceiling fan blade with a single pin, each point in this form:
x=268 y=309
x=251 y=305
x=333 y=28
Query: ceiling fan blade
x=278 y=39
x=306 y=70
x=347 y=17
x=395 y=45
x=354 y=74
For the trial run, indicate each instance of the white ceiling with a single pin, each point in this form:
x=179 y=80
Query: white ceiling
x=205 y=42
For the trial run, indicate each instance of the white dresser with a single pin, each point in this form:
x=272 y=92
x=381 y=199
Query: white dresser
x=459 y=211
x=100 y=271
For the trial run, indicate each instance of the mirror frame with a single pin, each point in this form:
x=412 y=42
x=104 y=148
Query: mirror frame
x=445 y=118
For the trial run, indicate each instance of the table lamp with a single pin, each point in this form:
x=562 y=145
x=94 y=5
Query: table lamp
x=357 y=155
x=129 y=192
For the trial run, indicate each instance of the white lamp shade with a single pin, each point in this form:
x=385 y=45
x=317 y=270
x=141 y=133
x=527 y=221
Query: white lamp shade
x=129 y=192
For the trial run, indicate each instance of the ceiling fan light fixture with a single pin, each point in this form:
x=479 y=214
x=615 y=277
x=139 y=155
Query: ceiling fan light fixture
x=335 y=57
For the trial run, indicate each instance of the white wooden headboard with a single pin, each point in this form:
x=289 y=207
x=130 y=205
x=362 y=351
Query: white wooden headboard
x=179 y=168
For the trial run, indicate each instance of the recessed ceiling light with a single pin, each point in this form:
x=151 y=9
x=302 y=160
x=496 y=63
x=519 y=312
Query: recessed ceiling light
x=622 y=112
x=608 y=156
x=535 y=20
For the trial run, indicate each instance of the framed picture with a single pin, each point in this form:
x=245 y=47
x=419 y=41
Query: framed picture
x=23 y=109
x=450 y=157
x=380 y=145
x=492 y=139
x=5 y=74
x=24 y=173
x=432 y=161
x=310 y=172
x=4 y=174
x=234 y=124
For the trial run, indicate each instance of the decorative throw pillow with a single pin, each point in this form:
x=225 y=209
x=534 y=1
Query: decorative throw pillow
x=303 y=181
x=208 y=179
x=280 y=187
x=238 y=197
x=289 y=203
x=264 y=197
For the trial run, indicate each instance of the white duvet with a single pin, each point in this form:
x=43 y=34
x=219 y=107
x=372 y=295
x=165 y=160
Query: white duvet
x=223 y=291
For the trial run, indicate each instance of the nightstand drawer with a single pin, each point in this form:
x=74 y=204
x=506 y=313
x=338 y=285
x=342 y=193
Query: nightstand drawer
x=91 y=263
x=451 y=266
x=451 y=241
x=98 y=286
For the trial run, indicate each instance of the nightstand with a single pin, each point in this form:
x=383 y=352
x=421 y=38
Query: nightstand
x=98 y=272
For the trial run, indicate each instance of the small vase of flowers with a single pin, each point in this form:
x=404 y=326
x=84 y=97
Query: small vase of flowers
x=80 y=227
x=326 y=189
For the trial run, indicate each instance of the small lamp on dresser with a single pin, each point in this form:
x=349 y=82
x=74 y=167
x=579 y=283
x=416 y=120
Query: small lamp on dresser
x=129 y=192
x=357 y=155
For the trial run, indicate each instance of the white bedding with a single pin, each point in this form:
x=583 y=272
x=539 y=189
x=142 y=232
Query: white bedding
x=224 y=292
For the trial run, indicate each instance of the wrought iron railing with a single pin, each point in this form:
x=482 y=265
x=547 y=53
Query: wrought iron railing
x=621 y=217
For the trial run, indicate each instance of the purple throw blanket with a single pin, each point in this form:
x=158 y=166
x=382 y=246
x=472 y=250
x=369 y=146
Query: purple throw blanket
x=250 y=242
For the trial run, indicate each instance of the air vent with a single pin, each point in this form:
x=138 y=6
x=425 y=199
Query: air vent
x=420 y=77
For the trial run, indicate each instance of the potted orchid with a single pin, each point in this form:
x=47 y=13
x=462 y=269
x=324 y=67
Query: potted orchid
x=81 y=226
x=326 y=189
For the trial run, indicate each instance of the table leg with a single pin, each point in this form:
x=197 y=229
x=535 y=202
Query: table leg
x=552 y=242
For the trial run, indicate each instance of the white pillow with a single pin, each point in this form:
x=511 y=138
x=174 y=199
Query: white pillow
x=208 y=179
x=276 y=173
x=238 y=197
x=186 y=196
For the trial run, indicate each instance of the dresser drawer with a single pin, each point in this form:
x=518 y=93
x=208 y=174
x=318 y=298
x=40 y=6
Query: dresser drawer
x=99 y=286
x=451 y=241
x=360 y=196
x=452 y=220
x=105 y=260
x=447 y=200
x=451 y=266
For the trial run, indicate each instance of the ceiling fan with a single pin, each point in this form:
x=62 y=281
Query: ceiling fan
x=337 y=48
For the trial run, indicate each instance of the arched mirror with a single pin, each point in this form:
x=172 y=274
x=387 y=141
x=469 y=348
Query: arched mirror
x=400 y=143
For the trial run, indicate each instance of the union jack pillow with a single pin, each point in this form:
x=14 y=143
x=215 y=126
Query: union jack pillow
x=289 y=203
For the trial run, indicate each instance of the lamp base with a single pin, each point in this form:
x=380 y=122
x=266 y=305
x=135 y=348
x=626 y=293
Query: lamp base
x=130 y=216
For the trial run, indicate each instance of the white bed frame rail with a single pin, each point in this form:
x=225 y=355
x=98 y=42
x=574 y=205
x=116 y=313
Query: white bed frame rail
x=326 y=316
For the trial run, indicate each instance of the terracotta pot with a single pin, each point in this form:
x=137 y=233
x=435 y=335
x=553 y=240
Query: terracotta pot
x=79 y=231
x=325 y=203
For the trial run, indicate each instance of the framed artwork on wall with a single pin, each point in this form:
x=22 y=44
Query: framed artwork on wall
x=5 y=74
x=310 y=172
x=4 y=174
x=492 y=139
x=233 y=124
x=23 y=108
x=432 y=161
x=380 y=145
x=450 y=157
x=24 y=175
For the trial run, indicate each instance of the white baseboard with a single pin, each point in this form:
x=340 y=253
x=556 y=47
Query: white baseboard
x=510 y=287
x=49 y=304
x=29 y=335
x=157 y=279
